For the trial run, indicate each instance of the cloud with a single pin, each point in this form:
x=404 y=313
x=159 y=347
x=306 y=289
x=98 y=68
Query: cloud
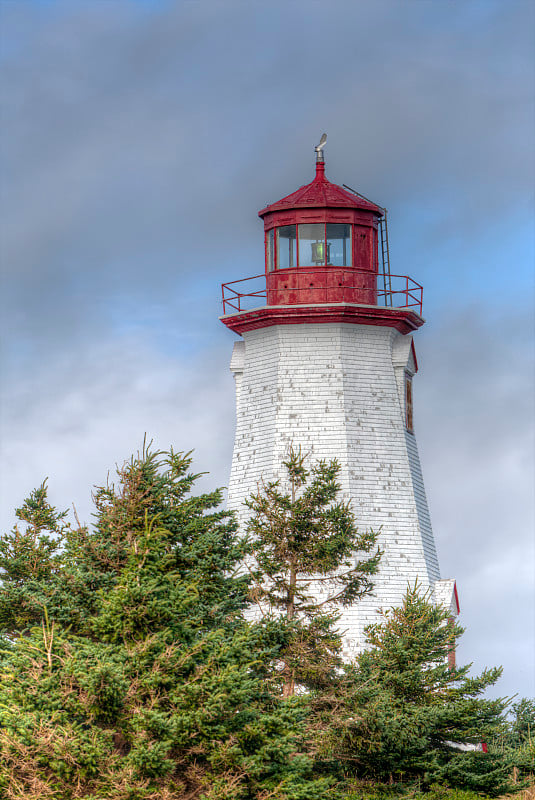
x=74 y=422
x=138 y=144
x=476 y=432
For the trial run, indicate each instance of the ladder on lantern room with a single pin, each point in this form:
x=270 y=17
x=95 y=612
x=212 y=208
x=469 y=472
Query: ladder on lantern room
x=385 y=250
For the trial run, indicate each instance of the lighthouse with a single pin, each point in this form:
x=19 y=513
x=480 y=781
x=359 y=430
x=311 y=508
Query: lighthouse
x=326 y=362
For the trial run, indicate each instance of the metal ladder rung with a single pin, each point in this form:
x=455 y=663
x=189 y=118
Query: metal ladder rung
x=385 y=249
x=385 y=253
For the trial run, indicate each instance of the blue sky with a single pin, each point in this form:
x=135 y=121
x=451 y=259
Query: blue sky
x=139 y=140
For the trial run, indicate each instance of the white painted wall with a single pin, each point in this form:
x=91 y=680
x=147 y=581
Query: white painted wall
x=337 y=390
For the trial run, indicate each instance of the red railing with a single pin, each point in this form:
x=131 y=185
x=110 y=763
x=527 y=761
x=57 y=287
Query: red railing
x=232 y=299
x=396 y=291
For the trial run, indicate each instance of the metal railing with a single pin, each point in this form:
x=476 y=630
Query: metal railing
x=402 y=291
x=232 y=298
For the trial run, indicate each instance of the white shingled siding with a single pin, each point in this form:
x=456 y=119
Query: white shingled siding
x=444 y=595
x=337 y=390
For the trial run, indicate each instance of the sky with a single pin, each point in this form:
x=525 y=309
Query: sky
x=140 y=139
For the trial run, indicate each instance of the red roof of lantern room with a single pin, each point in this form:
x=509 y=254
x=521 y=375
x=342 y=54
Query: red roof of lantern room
x=321 y=193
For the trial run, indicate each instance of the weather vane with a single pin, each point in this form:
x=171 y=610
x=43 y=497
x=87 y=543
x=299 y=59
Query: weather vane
x=319 y=148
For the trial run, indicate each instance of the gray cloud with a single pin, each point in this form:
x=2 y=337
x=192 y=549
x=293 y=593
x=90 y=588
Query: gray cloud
x=74 y=422
x=131 y=137
x=475 y=428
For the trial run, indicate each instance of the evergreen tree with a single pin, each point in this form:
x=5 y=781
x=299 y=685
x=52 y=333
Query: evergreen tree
x=401 y=709
x=141 y=680
x=517 y=744
x=30 y=559
x=522 y=729
x=304 y=540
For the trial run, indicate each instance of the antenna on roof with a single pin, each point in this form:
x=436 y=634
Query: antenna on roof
x=319 y=149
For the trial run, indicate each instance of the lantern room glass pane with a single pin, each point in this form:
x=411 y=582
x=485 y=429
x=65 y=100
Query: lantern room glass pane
x=286 y=247
x=271 y=250
x=312 y=245
x=338 y=245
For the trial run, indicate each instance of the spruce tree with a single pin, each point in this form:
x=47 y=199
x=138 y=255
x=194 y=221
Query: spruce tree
x=309 y=559
x=402 y=709
x=30 y=559
x=517 y=744
x=141 y=680
x=522 y=729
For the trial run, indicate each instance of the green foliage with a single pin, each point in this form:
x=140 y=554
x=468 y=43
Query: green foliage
x=128 y=670
x=29 y=560
x=523 y=724
x=485 y=773
x=302 y=538
x=365 y=790
x=141 y=679
x=401 y=706
x=516 y=744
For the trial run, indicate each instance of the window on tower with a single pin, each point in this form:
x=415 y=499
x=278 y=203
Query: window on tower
x=408 y=403
x=338 y=244
x=312 y=250
x=323 y=244
x=270 y=244
x=309 y=245
x=286 y=247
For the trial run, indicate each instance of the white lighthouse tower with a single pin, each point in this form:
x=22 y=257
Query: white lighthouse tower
x=326 y=362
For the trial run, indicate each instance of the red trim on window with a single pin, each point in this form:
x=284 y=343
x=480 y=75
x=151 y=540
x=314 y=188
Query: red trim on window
x=413 y=351
x=409 y=421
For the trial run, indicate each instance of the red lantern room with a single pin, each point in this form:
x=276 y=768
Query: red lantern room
x=321 y=245
x=322 y=262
